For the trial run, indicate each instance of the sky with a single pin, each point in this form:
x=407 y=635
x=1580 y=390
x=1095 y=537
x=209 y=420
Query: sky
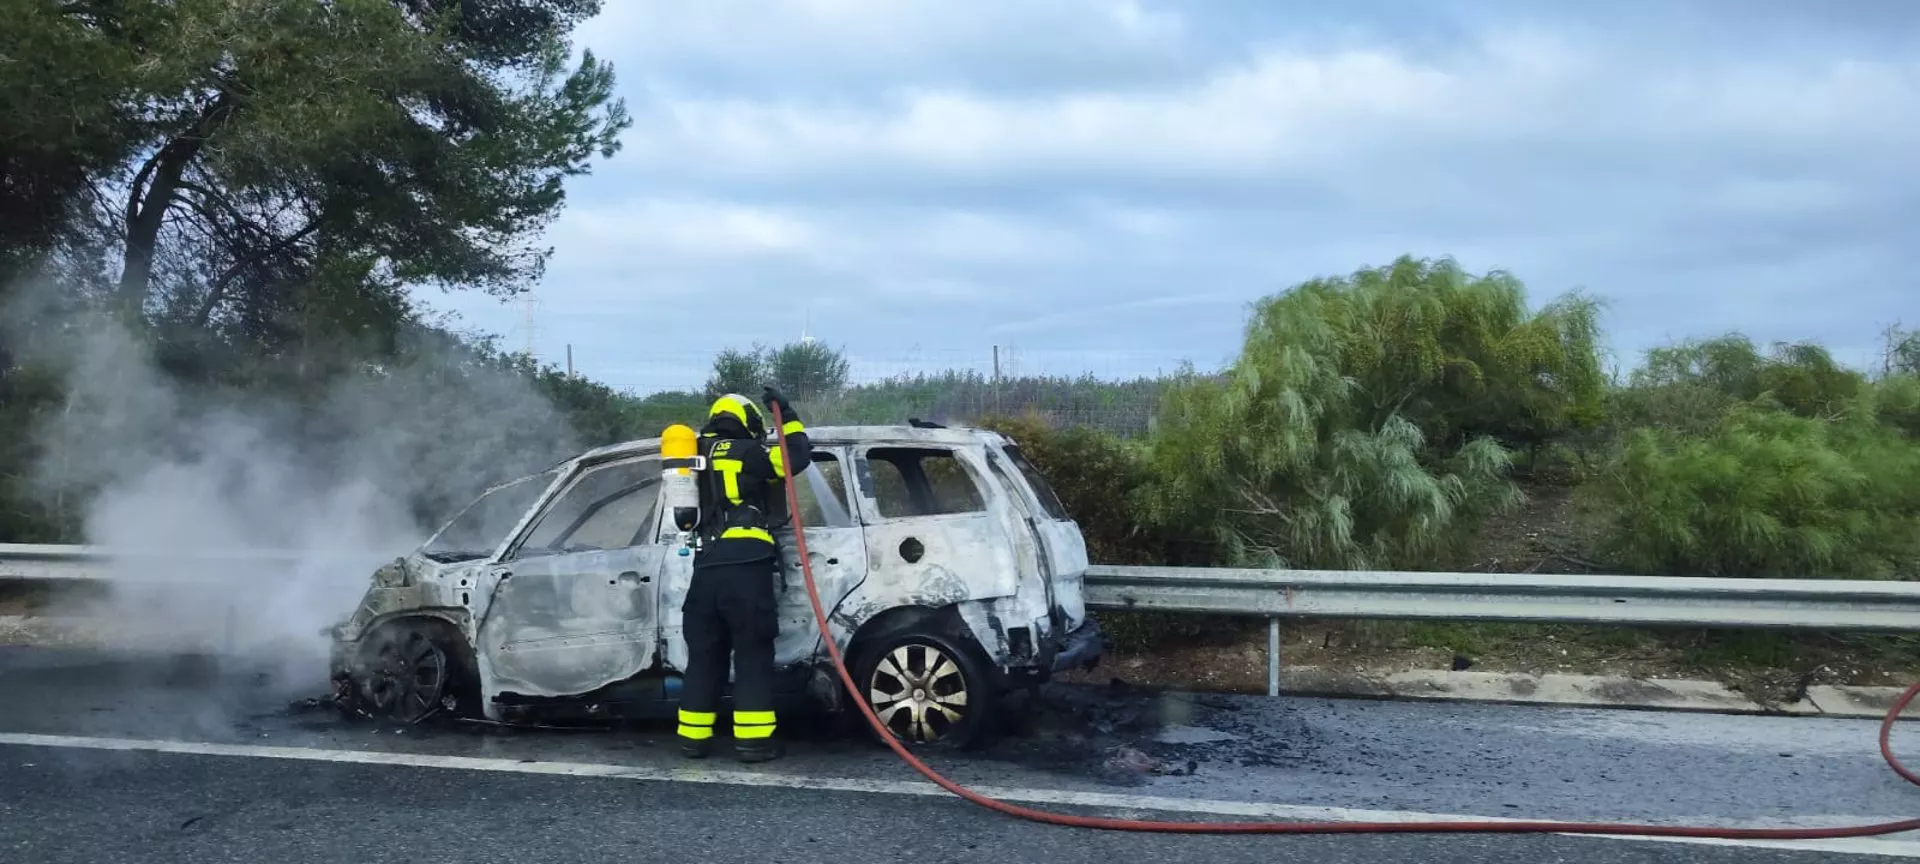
x=1104 y=186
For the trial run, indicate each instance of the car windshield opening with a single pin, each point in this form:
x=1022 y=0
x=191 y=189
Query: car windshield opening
x=484 y=524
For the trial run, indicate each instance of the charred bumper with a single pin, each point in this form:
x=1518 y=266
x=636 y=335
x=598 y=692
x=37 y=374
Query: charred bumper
x=1081 y=648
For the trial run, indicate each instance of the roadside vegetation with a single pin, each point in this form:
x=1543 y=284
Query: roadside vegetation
x=1415 y=416
x=255 y=190
x=213 y=206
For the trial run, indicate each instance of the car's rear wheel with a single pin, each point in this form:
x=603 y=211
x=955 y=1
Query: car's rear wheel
x=928 y=688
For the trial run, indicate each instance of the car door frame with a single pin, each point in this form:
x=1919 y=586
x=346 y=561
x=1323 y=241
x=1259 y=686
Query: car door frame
x=1025 y=514
x=972 y=549
x=838 y=555
x=575 y=662
x=832 y=549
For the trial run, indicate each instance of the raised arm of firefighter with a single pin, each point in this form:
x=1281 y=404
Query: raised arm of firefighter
x=799 y=447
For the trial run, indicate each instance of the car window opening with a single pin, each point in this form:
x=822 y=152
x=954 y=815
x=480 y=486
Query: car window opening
x=823 y=501
x=560 y=530
x=913 y=481
x=1038 y=483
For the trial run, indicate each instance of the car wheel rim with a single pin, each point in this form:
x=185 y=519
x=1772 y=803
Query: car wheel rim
x=919 y=692
x=410 y=682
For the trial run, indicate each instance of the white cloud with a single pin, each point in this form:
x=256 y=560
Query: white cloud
x=691 y=228
x=1287 y=109
x=792 y=44
x=685 y=228
x=1283 y=106
x=1074 y=173
x=1140 y=223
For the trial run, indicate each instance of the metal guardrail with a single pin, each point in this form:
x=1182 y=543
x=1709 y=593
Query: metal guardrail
x=47 y=562
x=19 y=561
x=1802 y=604
x=1786 y=604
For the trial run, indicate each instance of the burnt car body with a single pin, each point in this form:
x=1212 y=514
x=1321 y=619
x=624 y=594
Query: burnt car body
x=951 y=572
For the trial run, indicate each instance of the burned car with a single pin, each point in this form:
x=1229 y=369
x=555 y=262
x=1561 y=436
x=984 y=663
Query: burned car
x=951 y=573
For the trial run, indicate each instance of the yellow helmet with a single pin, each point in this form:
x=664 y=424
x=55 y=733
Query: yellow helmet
x=740 y=408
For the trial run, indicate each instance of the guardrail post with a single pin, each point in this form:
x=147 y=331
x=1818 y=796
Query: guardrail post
x=1273 y=656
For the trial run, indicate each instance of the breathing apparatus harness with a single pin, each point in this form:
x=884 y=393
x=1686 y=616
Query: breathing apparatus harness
x=715 y=514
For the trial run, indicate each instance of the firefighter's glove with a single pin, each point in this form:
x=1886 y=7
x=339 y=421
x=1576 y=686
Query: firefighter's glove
x=773 y=397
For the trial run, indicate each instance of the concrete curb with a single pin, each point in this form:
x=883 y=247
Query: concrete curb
x=1589 y=691
x=1845 y=701
x=1592 y=691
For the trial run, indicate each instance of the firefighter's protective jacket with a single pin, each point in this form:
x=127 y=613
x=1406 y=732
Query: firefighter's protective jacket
x=741 y=500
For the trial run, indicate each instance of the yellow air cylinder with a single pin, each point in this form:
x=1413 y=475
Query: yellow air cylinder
x=679 y=441
x=679 y=487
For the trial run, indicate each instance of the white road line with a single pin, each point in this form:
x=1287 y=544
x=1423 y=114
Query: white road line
x=1130 y=804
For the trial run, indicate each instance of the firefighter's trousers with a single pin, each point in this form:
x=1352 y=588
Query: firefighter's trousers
x=729 y=614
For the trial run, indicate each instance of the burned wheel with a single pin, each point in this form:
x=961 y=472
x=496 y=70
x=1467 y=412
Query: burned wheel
x=929 y=689
x=409 y=678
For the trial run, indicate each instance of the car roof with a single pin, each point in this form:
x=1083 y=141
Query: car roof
x=829 y=436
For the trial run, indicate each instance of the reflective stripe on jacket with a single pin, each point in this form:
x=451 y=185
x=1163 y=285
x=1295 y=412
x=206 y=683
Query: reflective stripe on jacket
x=741 y=500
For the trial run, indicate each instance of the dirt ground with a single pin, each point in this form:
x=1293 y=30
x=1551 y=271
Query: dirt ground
x=22 y=602
x=1546 y=536
x=1767 y=667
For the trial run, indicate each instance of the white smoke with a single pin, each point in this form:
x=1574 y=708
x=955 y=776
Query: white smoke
x=195 y=484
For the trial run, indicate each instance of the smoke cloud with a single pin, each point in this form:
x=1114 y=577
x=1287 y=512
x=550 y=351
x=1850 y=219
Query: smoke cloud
x=346 y=477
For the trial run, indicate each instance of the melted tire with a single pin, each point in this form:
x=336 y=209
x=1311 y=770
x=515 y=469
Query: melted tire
x=411 y=673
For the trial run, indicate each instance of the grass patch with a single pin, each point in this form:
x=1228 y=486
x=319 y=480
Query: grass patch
x=1146 y=632
x=1648 y=652
x=1472 y=639
x=1661 y=652
x=1707 y=649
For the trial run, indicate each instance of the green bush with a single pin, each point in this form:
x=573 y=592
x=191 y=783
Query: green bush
x=1460 y=356
x=1686 y=407
x=1115 y=407
x=29 y=514
x=1096 y=476
x=1766 y=493
x=1361 y=426
x=1683 y=385
x=953 y=396
x=1897 y=403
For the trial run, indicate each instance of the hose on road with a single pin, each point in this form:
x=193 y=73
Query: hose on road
x=1453 y=827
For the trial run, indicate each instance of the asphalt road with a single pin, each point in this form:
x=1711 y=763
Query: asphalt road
x=243 y=776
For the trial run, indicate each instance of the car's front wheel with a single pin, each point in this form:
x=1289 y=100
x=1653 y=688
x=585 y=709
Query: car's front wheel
x=929 y=689
x=409 y=672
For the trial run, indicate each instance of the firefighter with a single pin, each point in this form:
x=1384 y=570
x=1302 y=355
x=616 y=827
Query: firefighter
x=729 y=609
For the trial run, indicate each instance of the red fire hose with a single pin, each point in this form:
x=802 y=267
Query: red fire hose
x=1141 y=825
